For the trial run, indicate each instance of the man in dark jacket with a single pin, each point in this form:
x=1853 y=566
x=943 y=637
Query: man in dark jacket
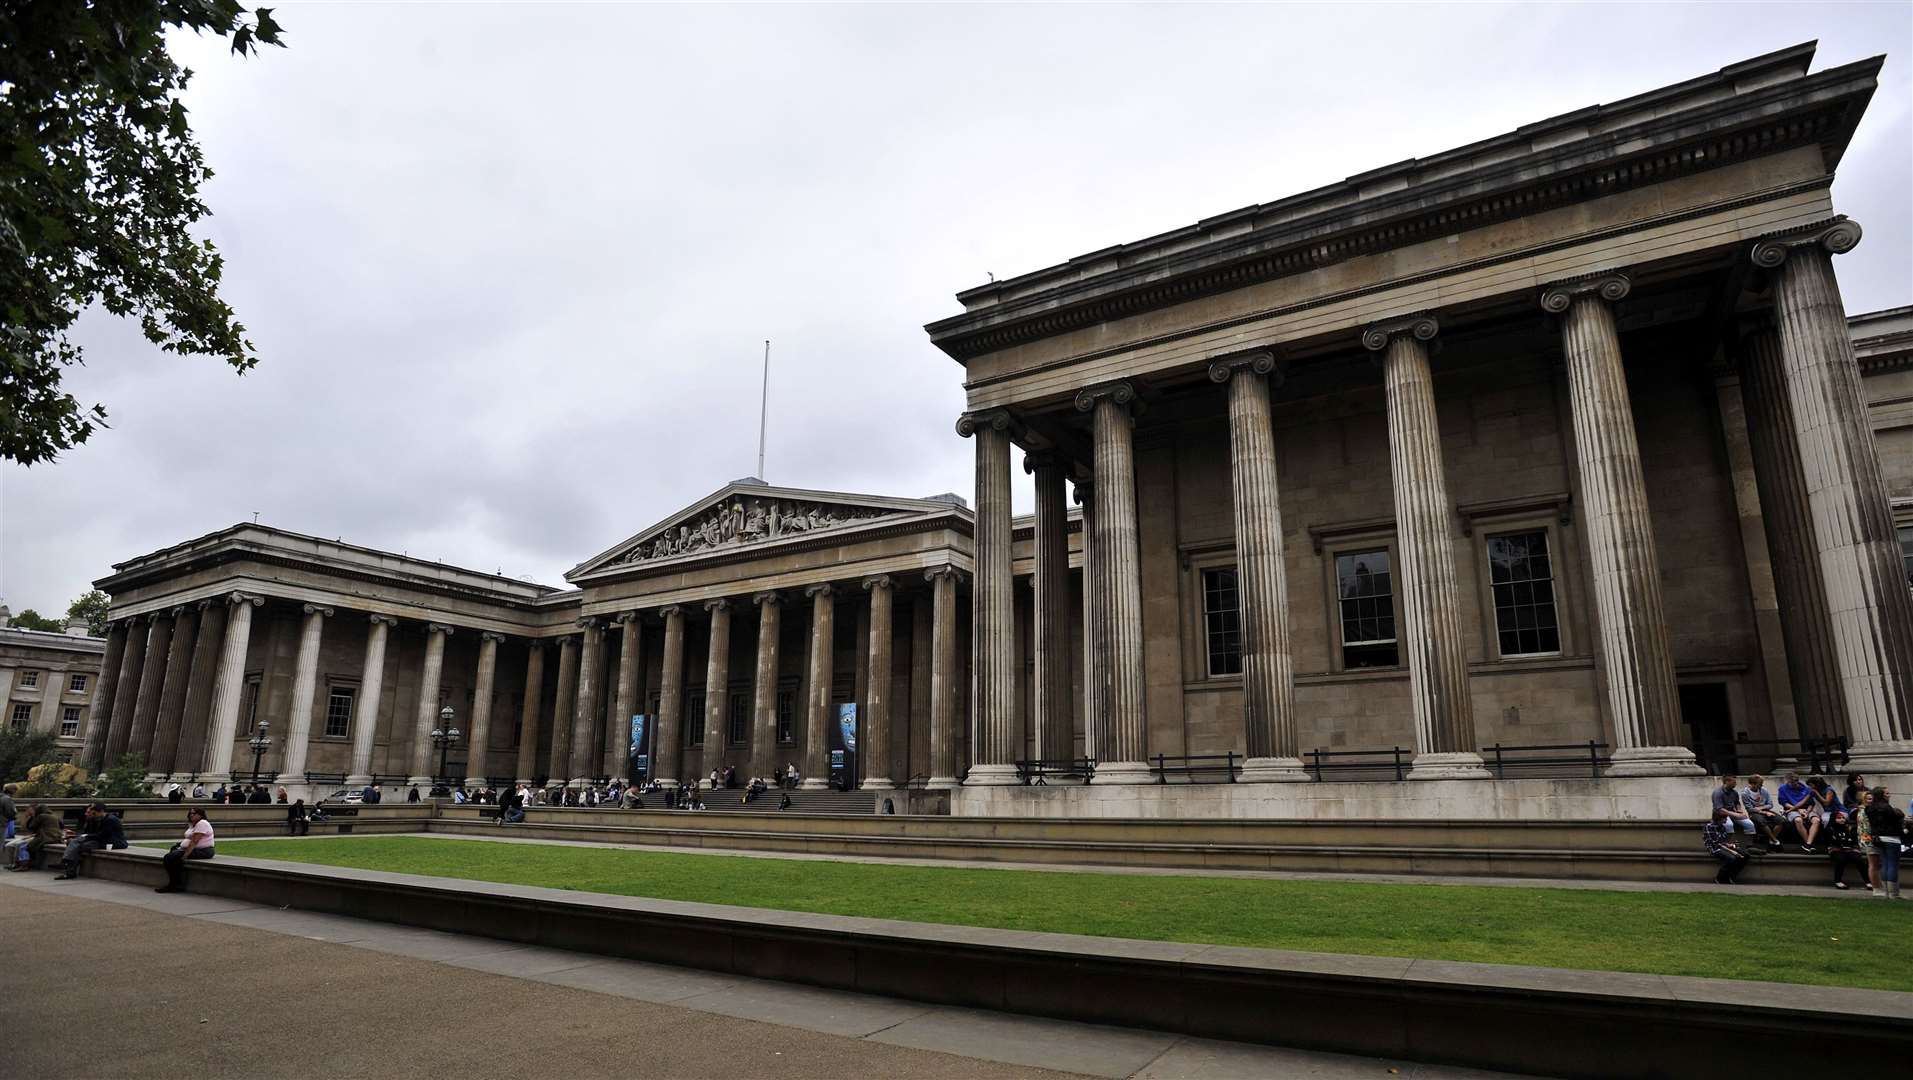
x=101 y=829
x=260 y=795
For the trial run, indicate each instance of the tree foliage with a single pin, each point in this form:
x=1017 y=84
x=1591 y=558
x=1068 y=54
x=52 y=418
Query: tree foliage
x=22 y=750
x=99 y=186
x=92 y=607
x=29 y=619
x=125 y=779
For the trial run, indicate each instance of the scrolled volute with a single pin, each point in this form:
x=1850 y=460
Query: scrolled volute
x=1421 y=327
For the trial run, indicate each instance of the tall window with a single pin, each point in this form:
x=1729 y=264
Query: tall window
x=249 y=705
x=786 y=715
x=69 y=721
x=1366 y=593
x=1906 y=552
x=22 y=715
x=1523 y=579
x=29 y=678
x=76 y=685
x=338 y=712
x=694 y=718
x=740 y=730
x=1222 y=620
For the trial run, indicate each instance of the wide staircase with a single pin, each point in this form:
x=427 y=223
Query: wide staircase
x=801 y=802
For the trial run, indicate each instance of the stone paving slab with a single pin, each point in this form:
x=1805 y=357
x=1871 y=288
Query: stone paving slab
x=1022 y=1040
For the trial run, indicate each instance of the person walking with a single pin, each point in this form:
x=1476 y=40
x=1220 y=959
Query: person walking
x=1718 y=838
x=198 y=844
x=1889 y=836
x=1863 y=836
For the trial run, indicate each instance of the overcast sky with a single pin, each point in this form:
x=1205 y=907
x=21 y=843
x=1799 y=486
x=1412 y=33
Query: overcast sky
x=509 y=267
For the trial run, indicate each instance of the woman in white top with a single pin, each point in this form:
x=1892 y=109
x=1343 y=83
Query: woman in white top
x=198 y=844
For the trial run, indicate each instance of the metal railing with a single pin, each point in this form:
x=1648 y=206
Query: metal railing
x=1577 y=756
x=325 y=778
x=1813 y=755
x=1193 y=764
x=1394 y=759
x=1037 y=771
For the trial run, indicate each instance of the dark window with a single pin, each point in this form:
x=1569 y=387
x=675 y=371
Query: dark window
x=29 y=678
x=22 y=716
x=1906 y=552
x=1523 y=580
x=69 y=721
x=740 y=732
x=1367 y=601
x=338 y=712
x=694 y=718
x=786 y=716
x=249 y=706
x=76 y=685
x=1222 y=620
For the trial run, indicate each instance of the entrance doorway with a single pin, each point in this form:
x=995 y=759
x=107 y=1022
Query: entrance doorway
x=1710 y=726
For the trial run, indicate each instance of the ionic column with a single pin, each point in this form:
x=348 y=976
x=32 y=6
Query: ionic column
x=823 y=627
x=1126 y=752
x=365 y=722
x=1853 y=535
x=1431 y=634
x=559 y=763
x=617 y=738
x=943 y=676
x=993 y=601
x=717 y=685
x=1049 y=689
x=126 y=696
x=305 y=686
x=670 y=736
x=1262 y=581
x=152 y=679
x=1635 y=655
x=172 y=699
x=99 y=716
x=229 y=685
x=478 y=761
x=584 y=742
x=1095 y=658
x=195 y=722
x=427 y=719
x=875 y=749
x=764 y=691
x=531 y=712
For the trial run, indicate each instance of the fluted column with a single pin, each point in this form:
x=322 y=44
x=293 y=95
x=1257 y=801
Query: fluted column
x=717 y=685
x=152 y=680
x=126 y=696
x=1262 y=580
x=584 y=741
x=229 y=686
x=365 y=722
x=1636 y=658
x=1050 y=696
x=1800 y=591
x=874 y=750
x=427 y=716
x=1431 y=636
x=993 y=603
x=99 y=717
x=558 y=765
x=305 y=685
x=764 y=691
x=531 y=713
x=617 y=737
x=943 y=676
x=670 y=737
x=1095 y=657
x=478 y=739
x=818 y=718
x=1867 y=597
x=172 y=698
x=1125 y=755
x=195 y=722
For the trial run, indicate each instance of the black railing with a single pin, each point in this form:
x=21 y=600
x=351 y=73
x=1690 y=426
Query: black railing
x=500 y=781
x=388 y=779
x=1395 y=759
x=325 y=778
x=1039 y=770
x=1815 y=755
x=1191 y=765
x=1577 y=756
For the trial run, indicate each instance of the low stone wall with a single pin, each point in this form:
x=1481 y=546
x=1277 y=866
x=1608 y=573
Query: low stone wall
x=1562 y=1023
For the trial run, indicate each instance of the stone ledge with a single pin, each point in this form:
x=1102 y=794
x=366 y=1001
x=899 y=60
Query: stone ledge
x=1566 y=1023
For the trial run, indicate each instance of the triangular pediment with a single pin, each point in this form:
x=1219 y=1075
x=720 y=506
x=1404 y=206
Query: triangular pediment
x=746 y=513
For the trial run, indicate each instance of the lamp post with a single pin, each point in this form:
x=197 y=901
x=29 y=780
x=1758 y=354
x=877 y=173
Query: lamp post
x=445 y=736
x=260 y=742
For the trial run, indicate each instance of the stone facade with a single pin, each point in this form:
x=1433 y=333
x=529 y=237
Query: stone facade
x=48 y=681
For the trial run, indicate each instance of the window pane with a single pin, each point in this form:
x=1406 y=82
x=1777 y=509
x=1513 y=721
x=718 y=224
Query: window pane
x=740 y=718
x=694 y=719
x=1906 y=551
x=78 y=684
x=1222 y=620
x=338 y=712
x=1523 y=587
x=786 y=715
x=1366 y=590
x=69 y=722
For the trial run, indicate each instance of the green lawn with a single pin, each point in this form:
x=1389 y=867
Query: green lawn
x=1716 y=934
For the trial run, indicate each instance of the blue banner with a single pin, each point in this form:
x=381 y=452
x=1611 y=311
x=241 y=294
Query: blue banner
x=639 y=760
x=847 y=723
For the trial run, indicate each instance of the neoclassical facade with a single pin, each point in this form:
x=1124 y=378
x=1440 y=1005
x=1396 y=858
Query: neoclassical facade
x=1553 y=438
x=47 y=680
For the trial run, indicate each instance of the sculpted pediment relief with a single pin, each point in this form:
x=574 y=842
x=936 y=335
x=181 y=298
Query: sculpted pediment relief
x=745 y=519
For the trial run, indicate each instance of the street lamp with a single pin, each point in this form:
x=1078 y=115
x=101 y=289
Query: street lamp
x=445 y=736
x=260 y=742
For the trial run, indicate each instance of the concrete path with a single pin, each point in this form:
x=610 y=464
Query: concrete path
x=109 y=980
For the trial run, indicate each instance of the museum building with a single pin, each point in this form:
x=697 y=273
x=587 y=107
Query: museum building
x=1556 y=439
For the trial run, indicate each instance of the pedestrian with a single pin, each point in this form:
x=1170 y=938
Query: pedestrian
x=1863 y=834
x=174 y=795
x=199 y=790
x=1889 y=836
x=1717 y=837
x=42 y=827
x=99 y=830
x=1843 y=850
x=282 y=795
x=297 y=821
x=412 y=795
x=8 y=811
x=198 y=844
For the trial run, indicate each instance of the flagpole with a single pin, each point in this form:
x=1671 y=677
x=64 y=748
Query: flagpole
x=764 y=409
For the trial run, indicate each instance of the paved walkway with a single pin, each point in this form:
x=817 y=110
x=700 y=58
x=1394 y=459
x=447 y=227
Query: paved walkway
x=109 y=980
x=1703 y=882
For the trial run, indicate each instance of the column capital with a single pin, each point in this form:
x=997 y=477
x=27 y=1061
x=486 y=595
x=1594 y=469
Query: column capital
x=1121 y=391
x=1609 y=285
x=1421 y=326
x=492 y=636
x=628 y=617
x=670 y=610
x=239 y=599
x=768 y=596
x=386 y=619
x=437 y=628
x=821 y=588
x=179 y=609
x=1043 y=459
x=201 y=605
x=996 y=419
x=721 y=603
x=946 y=570
x=1838 y=236
x=877 y=581
x=1260 y=361
x=588 y=622
x=1085 y=491
x=317 y=609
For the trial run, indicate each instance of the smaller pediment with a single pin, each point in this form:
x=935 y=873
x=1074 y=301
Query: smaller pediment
x=748 y=512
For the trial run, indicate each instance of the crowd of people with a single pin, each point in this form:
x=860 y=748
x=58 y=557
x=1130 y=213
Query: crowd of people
x=1857 y=828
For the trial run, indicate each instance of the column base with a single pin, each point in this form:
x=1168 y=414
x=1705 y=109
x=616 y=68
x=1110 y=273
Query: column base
x=358 y=781
x=1273 y=770
x=419 y=781
x=474 y=783
x=1452 y=765
x=942 y=783
x=1883 y=756
x=992 y=776
x=813 y=783
x=1122 y=772
x=877 y=783
x=1654 y=761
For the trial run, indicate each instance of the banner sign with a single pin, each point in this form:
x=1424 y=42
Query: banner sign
x=640 y=761
x=847 y=723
